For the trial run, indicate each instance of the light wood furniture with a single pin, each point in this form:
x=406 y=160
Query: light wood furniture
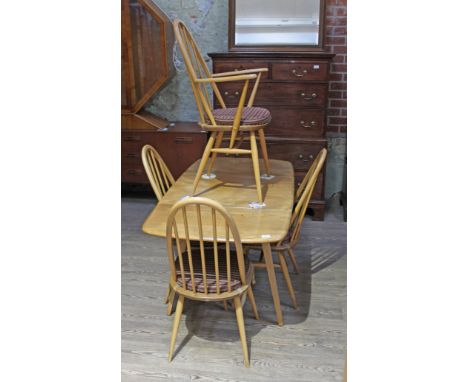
x=158 y=174
x=308 y=348
x=236 y=120
x=302 y=197
x=207 y=273
x=234 y=187
x=295 y=90
x=179 y=144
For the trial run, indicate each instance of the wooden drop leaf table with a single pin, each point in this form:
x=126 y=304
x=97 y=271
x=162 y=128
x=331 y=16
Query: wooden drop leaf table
x=234 y=187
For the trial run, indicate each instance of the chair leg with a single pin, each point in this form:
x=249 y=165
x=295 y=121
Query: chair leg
x=293 y=259
x=170 y=302
x=219 y=140
x=168 y=293
x=175 y=326
x=284 y=268
x=203 y=161
x=240 y=323
x=225 y=305
x=261 y=136
x=251 y=297
x=253 y=148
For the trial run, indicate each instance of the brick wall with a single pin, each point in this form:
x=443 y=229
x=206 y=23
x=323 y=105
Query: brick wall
x=335 y=42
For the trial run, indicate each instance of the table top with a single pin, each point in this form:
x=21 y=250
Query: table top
x=234 y=188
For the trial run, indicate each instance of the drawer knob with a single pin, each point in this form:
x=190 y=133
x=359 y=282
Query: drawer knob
x=295 y=72
x=311 y=156
x=309 y=98
x=227 y=93
x=301 y=156
x=311 y=124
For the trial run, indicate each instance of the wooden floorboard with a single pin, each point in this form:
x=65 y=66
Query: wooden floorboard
x=309 y=347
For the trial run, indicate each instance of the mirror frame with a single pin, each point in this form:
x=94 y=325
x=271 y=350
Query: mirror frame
x=273 y=48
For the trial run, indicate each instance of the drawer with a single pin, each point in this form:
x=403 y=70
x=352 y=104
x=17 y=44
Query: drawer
x=300 y=154
x=178 y=149
x=277 y=93
x=233 y=66
x=136 y=137
x=319 y=188
x=296 y=122
x=300 y=71
x=133 y=174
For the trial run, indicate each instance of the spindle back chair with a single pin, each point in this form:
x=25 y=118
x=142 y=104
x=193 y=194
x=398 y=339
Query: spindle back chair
x=303 y=196
x=243 y=119
x=157 y=171
x=218 y=272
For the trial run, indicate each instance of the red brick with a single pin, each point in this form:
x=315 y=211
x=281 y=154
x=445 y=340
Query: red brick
x=338 y=86
x=336 y=2
x=339 y=49
x=336 y=95
x=341 y=11
x=335 y=41
x=338 y=21
x=337 y=120
x=333 y=129
x=339 y=59
x=338 y=31
x=343 y=129
x=338 y=103
x=336 y=77
x=333 y=112
x=344 y=112
x=338 y=68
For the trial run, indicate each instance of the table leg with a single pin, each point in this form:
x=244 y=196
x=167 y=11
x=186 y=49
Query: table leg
x=272 y=278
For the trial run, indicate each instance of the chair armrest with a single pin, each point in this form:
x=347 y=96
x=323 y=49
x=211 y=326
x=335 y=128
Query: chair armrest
x=241 y=77
x=246 y=71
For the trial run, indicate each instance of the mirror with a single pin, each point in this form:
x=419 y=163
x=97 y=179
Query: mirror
x=276 y=25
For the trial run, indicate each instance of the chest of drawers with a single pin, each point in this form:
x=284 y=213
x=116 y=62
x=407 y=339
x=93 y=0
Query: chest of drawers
x=295 y=90
x=180 y=145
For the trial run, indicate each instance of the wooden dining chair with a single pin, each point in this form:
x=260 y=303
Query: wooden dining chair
x=158 y=173
x=161 y=181
x=286 y=245
x=239 y=120
x=216 y=273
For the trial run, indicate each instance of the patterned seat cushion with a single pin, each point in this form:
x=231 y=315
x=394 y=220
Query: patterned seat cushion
x=250 y=116
x=210 y=271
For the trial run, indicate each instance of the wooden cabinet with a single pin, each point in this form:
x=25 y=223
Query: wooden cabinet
x=295 y=90
x=180 y=145
x=147 y=44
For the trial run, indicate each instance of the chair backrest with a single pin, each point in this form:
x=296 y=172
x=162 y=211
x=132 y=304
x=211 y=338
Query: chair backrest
x=303 y=195
x=158 y=174
x=197 y=69
x=196 y=220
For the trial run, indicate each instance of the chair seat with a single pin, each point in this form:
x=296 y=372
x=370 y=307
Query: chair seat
x=250 y=116
x=210 y=271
